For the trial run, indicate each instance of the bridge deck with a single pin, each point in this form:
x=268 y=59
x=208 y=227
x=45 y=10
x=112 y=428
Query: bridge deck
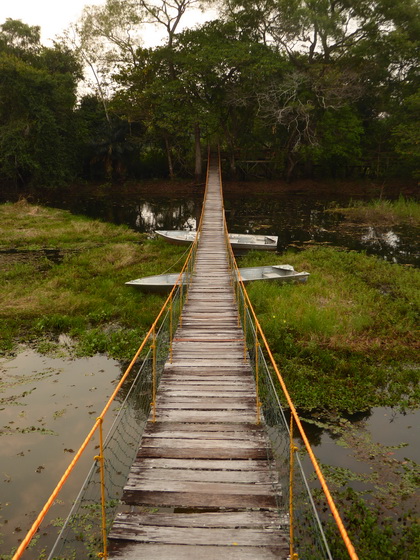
x=201 y=486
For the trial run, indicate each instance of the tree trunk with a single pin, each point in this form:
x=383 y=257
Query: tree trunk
x=169 y=156
x=198 y=157
x=232 y=164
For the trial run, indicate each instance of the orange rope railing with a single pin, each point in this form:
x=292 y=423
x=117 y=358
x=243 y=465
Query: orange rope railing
x=167 y=305
x=328 y=496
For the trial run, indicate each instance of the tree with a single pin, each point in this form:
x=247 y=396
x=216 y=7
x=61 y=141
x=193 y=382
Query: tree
x=19 y=38
x=38 y=132
x=109 y=39
x=407 y=134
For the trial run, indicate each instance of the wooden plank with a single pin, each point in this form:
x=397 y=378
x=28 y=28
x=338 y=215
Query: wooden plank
x=206 y=362
x=198 y=383
x=207 y=464
x=192 y=433
x=139 y=474
x=203 y=444
x=133 y=551
x=197 y=500
x=129 y=530
x=202 y=453
x=217 y=429
x=206 y=416
x=208 y=391
x=248 y=519
x=173 y=403
x=203 y=377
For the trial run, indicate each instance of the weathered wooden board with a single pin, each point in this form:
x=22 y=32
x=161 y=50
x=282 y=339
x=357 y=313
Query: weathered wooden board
x=191 y=416
x=215 y=464
x=234 y=489
x=206 y=436
x=215 y=403
x=196 y=535
x=226 y=398
x=202 y=453
x=134 y=551
x=208 y=392
x=216 y=430
x=254 y=519
x=138 y=475
x=202 y=444
x=197 y=500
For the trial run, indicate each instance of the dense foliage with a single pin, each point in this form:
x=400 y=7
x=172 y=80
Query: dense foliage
x=310 y=87
x=38 y=128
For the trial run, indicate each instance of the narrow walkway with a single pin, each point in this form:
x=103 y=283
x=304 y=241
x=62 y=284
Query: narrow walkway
x=201 y=487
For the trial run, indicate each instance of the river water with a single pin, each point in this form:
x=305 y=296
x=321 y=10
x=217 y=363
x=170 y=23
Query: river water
x=297 y=219
x=54 y=401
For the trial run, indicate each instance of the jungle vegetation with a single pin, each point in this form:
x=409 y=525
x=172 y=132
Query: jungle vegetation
x=315 y=88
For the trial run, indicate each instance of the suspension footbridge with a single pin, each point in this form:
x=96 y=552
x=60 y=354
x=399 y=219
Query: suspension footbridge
x=200 y=461
x=203 y=449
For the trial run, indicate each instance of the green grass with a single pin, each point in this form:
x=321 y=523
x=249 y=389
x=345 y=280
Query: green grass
x=84 y=295
x=346 y=340
x=384 y=211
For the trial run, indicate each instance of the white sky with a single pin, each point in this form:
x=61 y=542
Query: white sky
x=54 y=16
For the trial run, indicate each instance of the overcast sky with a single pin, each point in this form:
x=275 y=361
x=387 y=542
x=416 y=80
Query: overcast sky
x=53 y=16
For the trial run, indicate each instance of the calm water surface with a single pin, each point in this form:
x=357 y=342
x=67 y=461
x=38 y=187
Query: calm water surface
x=298 y=220
x=44 y=417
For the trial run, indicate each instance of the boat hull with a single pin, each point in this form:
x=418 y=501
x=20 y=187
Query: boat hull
x=240 y=242
x=163 y=283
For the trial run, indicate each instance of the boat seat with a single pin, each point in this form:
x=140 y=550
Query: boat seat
x=271 y=275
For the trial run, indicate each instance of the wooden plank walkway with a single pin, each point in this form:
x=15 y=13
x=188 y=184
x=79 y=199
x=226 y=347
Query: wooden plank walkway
x=201 y=487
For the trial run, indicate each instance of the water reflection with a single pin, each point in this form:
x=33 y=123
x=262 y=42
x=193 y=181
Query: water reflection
x=298 y=220
x=386 y=425
x=383 y=440
x=375 y=237
x=179 y=216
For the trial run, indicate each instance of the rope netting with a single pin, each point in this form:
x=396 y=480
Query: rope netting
x=81 y=535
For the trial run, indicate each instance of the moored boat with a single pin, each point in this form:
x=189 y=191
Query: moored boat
x=240 y=241
x=162 y=283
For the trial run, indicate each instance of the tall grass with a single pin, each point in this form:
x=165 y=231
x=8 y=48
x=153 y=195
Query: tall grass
x=347 y=339
x=382 y=210
x=84 y=295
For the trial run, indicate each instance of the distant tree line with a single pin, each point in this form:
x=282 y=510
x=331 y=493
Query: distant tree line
x=287 y=88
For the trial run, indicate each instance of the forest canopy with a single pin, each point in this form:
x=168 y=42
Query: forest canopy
x=310 y=88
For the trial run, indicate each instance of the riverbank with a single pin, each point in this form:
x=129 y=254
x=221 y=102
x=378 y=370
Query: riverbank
x=65 y=274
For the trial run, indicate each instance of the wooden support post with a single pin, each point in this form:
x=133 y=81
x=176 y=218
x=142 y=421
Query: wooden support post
x=171 y=326
x=154 y=381
x=293 y=449
x=101 y=461
x=257 y=375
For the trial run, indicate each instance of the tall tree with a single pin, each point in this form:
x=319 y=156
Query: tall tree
x=38 y=133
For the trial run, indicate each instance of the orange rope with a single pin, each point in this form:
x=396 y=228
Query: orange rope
x=29 y=536
x=329 y=498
